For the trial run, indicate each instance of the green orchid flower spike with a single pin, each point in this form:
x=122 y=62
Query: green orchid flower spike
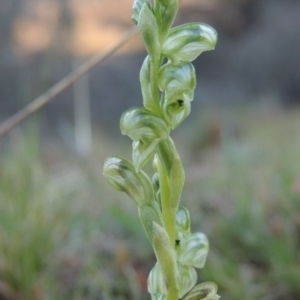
x=168 y=82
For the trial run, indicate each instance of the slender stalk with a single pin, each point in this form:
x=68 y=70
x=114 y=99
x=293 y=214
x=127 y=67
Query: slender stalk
x=167 y=211
x=154 y=67
x=173 y=294
x=63 y=84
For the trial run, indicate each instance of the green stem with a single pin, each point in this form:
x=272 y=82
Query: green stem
x=173 y=294
x=154 y=67
x=157 y=13
x=168 y=214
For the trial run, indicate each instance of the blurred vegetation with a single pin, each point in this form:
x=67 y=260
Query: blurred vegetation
x=65 y=234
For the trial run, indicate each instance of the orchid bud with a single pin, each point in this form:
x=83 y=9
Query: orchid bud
x=203 y=291
x=178 y=83
x=141 y=124
x=120 y=173
x=176 y=109
x=147 y=130
x=193 y=251
x=180 y=77
x=187 y=279
x=186 y=42
x=156 y=283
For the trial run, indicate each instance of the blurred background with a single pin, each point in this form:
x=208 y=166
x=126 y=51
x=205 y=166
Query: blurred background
x=66 y=234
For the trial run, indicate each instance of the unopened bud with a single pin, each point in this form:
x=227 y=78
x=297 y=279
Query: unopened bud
x=121 y=174
x=187 y=279
x=186 y=42
x=141 y=124
x=193 y=251
x=203 y=291
x=156 y=283
x=147 y=130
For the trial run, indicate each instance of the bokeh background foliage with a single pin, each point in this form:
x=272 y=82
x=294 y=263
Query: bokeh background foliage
x=66 y=234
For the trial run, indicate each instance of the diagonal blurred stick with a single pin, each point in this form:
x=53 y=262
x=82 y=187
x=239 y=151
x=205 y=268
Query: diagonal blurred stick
x=45 y=98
